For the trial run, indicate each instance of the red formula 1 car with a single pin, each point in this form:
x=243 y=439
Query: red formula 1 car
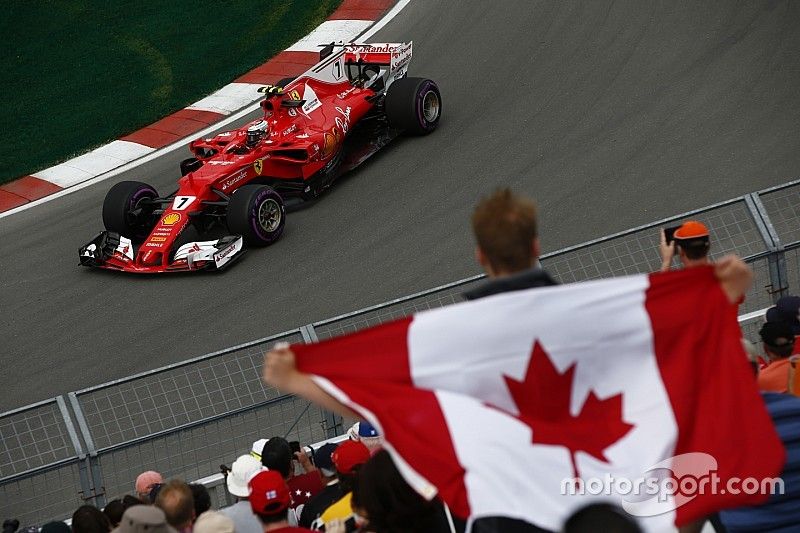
x=315 y=127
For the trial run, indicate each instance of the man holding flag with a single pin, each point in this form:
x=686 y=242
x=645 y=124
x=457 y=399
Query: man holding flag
x=493 y=404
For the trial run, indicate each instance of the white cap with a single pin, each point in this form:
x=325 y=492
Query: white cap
x=258 y=447
x=242 y=470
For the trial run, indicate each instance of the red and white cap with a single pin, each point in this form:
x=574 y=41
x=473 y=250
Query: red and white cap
x=269 y=493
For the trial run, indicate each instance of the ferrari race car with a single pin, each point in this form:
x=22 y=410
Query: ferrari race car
x=315 y=127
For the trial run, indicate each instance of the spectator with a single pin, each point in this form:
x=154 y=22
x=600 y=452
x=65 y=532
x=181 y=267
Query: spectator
x=242 y=470
x=788 y=308
x=781 y=512
x=90 y=519
x=129 y=501
x=114 y=511
x=270 y=500
x=175 y=499
x=366 y=433
x=214 y=522
x=145 y=483
x=507 y=234
x=601 y=517
x=347 y=459
x=692 y=241
x=144 y=519
x=277 y=455
x=778 y=342
x=507 y=248
x=55 y=527
x=201 y=497
x=391 y=505
x=330 y=493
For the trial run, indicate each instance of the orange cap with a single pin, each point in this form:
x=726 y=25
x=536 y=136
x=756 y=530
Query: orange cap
x=691 y=229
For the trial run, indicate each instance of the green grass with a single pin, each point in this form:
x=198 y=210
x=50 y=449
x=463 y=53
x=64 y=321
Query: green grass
x=77 y=74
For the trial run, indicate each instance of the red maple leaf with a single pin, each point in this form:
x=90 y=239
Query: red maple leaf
x=543 y=400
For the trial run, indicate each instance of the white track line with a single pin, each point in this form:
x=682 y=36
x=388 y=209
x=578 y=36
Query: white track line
x=182 y=143
x=230 y=98
x=330 y=31
x=94 y=163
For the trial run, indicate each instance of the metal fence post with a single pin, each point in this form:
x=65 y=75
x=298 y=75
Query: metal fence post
x=92 y=459
x=83 y=463
x=333 y=422
x=778 y=276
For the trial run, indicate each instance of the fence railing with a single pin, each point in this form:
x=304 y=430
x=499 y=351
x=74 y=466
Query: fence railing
x=186 y=419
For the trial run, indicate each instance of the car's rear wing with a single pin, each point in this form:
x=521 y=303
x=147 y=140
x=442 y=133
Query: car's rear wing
x=341 y=61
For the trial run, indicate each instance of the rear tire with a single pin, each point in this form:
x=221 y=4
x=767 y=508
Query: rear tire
x=414 y=105
x=257 y=213
x=124 y=212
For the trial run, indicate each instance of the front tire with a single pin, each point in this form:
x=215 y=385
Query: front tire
x=257 y=213
x=414 y=105
x=125 y=210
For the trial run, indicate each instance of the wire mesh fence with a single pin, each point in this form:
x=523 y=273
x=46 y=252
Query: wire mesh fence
x=446 y=295
x=187 y=419
x=196 y=452
x=783 y=207
x=33 y=437
x=636 y=251
x=177 y=396
x=43 y=495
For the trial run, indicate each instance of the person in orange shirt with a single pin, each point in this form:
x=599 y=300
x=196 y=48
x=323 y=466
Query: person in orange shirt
x=778 y=342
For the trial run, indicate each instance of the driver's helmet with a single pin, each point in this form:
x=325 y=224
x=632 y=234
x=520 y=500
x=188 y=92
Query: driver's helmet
x=256 y=132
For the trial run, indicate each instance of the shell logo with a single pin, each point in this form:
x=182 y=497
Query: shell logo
x=171 y=219
x=331 y=141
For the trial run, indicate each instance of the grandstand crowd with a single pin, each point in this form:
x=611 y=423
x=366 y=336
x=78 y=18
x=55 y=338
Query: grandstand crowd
x=354 y=485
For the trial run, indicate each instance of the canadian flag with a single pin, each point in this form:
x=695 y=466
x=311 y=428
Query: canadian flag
x=499 y=403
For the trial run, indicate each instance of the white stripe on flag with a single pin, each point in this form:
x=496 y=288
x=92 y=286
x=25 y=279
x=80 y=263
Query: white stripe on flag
x=607 y=329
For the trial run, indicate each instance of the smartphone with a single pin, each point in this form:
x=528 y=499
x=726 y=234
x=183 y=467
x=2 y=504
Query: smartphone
x=669 y=233
x=295 y=446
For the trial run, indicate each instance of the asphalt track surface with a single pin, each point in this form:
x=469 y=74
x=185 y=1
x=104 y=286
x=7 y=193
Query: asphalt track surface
x=611 y=114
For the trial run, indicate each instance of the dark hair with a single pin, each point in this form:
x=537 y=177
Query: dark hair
x=113 y=511
x=694 y=248
x=129 y=501
x=504 y=225
x=273 y=518
x=175 y=499
x=90 y=519
x=153 y=494
x=601 y=517
x=202 y=499
x=277 y=455
x=348 y=481
x=391 y=505
x=781 y=351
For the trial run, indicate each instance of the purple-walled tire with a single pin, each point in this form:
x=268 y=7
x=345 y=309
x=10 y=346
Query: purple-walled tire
x=257 y=213
x=124 y=211
x=414 y=105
